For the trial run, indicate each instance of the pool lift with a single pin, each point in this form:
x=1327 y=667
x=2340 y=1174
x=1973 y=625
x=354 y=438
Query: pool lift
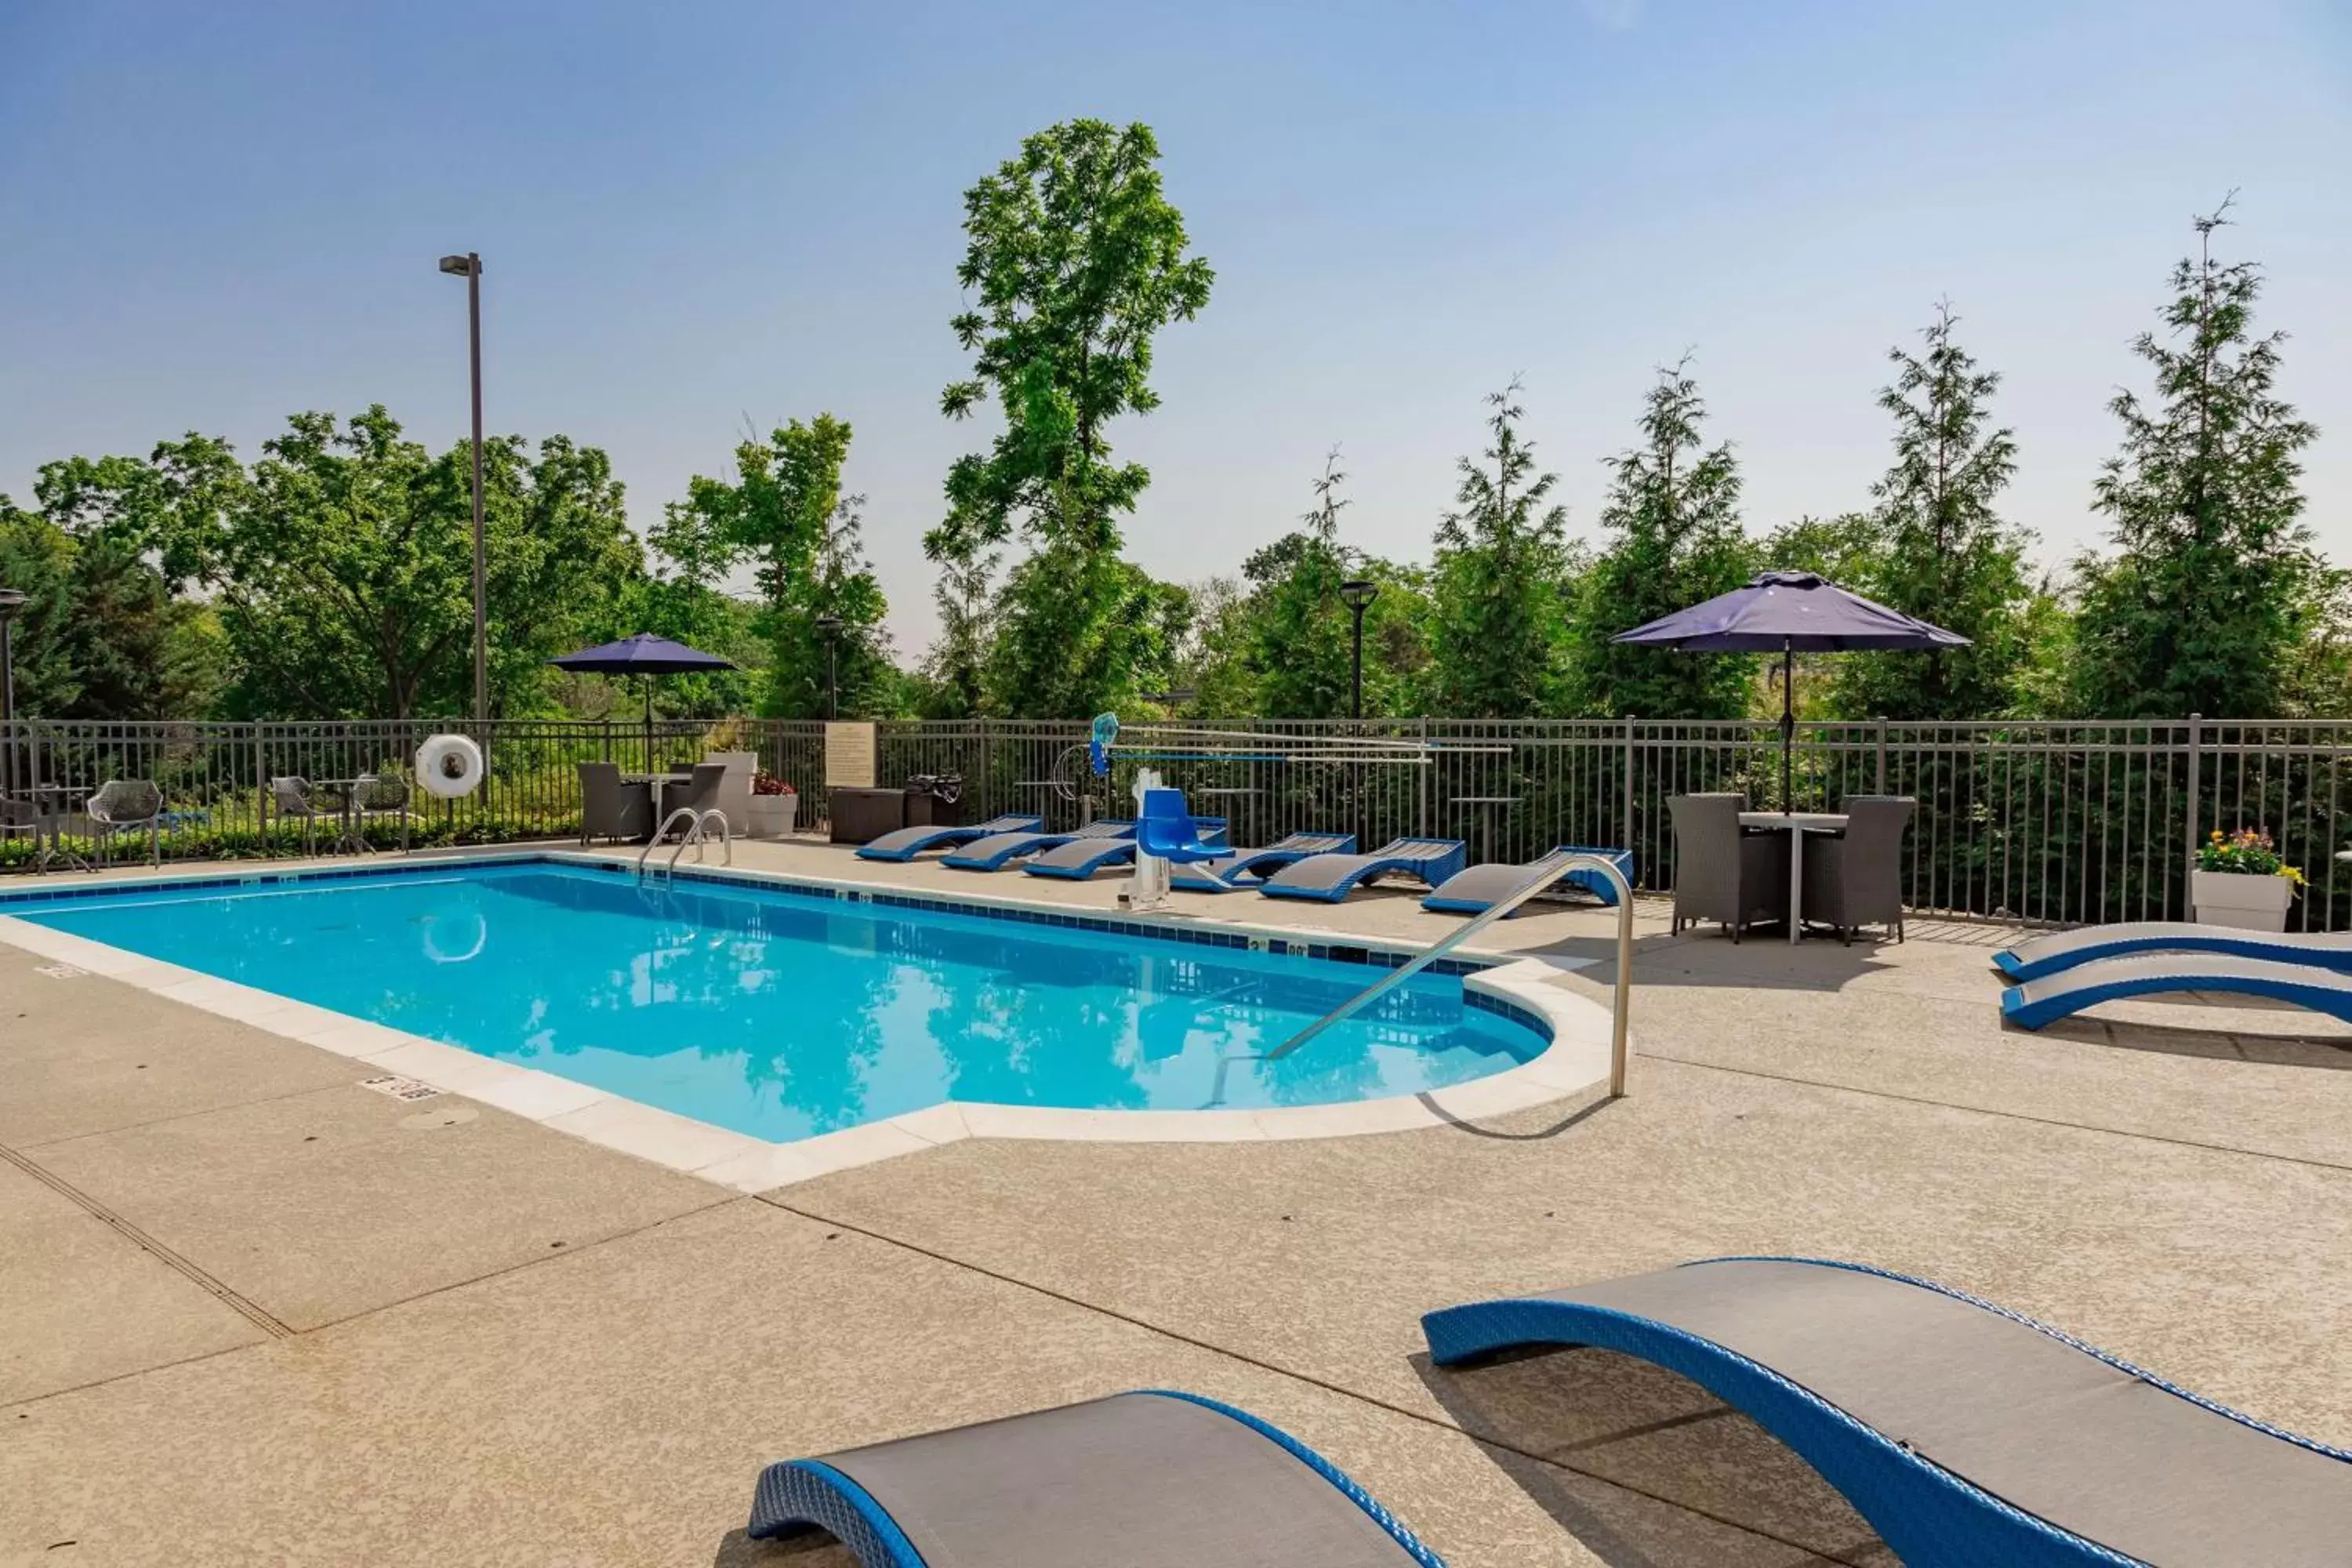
x=698 y=833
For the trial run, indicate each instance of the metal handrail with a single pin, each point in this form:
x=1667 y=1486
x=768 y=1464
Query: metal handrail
x=1545 y=875
x=696 y=832
x=700 y=835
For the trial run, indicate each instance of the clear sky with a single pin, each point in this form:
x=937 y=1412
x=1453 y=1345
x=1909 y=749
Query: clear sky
x=695 y=217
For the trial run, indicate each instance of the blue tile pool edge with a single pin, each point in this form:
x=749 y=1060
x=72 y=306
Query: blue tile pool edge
x=752 y=1164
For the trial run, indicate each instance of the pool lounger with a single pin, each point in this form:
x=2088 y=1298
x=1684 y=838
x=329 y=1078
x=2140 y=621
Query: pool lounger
x=1965 y=1433
x=1148 y=1479
x=1082 y=857
x=994 y=852
x=1247 y=868
x=2087 y=944
x=2067 y=990
x=1328 y=879
x=906 y=843
x=1474 y=890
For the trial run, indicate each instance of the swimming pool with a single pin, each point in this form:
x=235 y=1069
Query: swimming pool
x=786 y=1013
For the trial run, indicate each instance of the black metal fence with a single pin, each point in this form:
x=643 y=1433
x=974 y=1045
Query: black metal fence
x=2045 y=821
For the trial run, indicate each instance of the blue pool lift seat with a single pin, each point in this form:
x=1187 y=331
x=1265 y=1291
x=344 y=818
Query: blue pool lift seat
x=1149 y=1479
x=1328 y=879
x=1965 y=1433
x=1081 y=858
x=998 y=850
x=906 y=843
x=1236 y=870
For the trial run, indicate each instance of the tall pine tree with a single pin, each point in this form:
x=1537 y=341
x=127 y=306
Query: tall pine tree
x=1673 y=512
x=1502 y=571
x=1947 y=556
x=2214 y=582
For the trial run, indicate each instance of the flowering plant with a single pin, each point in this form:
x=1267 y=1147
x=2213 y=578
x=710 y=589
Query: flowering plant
x=769 y=784
x=2248 y=852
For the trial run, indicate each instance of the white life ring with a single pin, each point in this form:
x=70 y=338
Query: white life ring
x=449 y=766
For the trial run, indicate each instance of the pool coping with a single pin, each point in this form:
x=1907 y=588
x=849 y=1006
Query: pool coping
x=1576 y=1058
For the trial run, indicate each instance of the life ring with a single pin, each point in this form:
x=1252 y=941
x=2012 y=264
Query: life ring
x=449 y=766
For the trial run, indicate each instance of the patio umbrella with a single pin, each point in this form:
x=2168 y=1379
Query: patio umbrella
x=1790 y=612
x=644 y=655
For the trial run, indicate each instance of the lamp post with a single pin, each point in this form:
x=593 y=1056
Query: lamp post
x=11 y=601
x=470 y=268
x=1360 y=592
x=829 y=629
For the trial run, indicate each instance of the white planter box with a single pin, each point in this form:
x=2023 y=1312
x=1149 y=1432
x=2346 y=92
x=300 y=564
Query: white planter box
x=2234 y=898
x=772 y=814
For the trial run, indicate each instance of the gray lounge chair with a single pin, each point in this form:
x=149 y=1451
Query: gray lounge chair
x=1722 y=871
x=2061 y=950
x=1151 y=1479
x=1328 y=879
x=121 y=805
x=1854 y=879
x=1245 y=869
x=1966 y=1435
x=2033 y=1003
x=611 y=807
x=1473 y=892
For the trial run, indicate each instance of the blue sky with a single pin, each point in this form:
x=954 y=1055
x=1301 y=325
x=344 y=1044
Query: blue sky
x=697 y=216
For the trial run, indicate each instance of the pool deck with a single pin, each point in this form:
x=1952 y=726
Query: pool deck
x=253 y=1312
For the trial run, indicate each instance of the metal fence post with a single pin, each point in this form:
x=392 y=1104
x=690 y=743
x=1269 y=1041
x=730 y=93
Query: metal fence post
x=1629 y=790
x=2196 y=745
x=1880 y=788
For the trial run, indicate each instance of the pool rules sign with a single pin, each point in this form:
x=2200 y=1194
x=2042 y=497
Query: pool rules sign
x=849 y=755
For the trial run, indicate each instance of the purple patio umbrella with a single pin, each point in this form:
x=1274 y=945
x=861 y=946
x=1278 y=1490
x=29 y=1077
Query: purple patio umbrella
x=1790 y=612
x=642 y=655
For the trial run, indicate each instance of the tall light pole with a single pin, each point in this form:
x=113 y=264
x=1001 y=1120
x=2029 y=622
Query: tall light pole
x=470 y=268
x=829 y=629
x=1360 y=592
x=11 y=601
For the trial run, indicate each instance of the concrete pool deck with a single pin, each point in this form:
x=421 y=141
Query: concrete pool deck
x=250 y=1311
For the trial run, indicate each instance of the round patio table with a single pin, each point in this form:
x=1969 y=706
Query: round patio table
x=1796 y=825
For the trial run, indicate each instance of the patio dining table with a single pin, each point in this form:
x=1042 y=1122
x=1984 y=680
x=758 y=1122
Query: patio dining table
x=1796 y=825
x=655 y=783
x=52 y=804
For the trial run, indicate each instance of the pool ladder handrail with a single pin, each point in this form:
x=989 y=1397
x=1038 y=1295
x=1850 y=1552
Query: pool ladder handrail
x=1546 y=874
x=698 y=833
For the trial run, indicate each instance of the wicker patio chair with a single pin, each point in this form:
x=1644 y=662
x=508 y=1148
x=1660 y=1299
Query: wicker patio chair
x=1722 y=871
x=1855 y=879
x=122 y=805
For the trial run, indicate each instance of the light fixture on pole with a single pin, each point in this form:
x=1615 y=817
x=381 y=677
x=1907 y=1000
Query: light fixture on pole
x=1360 y=592
x=829 y=629
x=470 y=268
x=11 y=601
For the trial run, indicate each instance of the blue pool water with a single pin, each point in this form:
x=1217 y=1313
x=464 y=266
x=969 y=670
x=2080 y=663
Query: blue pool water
x=783 y=1015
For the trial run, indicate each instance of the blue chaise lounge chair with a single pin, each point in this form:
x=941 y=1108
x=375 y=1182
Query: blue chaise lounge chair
x=1082 y=857
x=1149 y=1479
x=1474 y=890
x=2088 y=945
x=1966 y=1435
x=1245 y=869
x=1328 y=879
x=2033 y=1003
x=906 y=843
x=997 y=850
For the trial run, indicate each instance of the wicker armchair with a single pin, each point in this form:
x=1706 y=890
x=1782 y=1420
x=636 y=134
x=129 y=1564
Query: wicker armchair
x=120 y=805
x=611 y=807
x=1722 y=871
x=1855 y=879
x=383 y=793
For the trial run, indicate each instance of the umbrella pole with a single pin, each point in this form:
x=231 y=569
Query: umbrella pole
x=647 y=682
x=1788 y=723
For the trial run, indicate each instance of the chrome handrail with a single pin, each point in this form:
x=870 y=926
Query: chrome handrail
x=1545 y=875
x=699 y=834
x=698 y=824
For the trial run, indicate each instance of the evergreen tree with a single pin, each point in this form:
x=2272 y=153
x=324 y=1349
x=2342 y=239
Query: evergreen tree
x=1298 y=629
x=1948 y=557
x=1078 y=260
x=953 y=676
x=2214 y=582
x=1503 y=566
x=1674 y=512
